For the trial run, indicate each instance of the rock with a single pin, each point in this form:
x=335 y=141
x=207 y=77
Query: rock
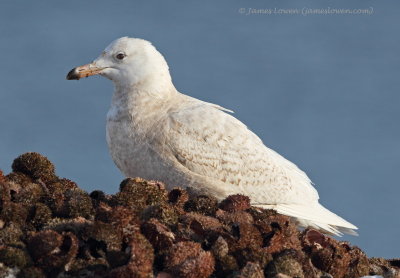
x=287 y=262
x=234 y=203
x=140 y=262
x=178 y=196
x=35 y=166
x=15 y=257
x=159 y=235
x=53 y=251
x=49 y=227
x=137 y=194
x=189 y=260
x=202 y=204
x=250 y=270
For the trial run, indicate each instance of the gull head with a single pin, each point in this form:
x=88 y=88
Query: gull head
x=127 y=62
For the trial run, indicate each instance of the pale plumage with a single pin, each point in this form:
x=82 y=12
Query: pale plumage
x=155 y=132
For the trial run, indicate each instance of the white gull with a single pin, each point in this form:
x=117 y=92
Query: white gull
x=155 y=132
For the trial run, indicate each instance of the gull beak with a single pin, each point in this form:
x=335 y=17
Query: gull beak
x=84 y=71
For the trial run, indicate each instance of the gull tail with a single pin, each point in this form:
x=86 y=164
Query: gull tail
x=316 y=216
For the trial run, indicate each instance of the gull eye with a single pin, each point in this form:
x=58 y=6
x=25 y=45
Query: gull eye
x=120 y=56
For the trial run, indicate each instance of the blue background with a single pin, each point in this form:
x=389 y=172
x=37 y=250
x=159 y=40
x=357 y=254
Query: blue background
x=321 y=90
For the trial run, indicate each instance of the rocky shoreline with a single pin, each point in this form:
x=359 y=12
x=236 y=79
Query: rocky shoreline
x=49 y=227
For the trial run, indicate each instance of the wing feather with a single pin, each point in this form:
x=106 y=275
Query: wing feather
x=214 y=144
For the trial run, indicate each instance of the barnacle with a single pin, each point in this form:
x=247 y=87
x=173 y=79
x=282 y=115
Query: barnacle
x=188 y=259
x=202 y=204
x=236 y=202
x=137 y=194
x=35 y=166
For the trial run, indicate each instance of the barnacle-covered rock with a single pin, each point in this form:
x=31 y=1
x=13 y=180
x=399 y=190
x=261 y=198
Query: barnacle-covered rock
x=14 y=212
x=137 y=194
x=163 y=274
x=102 y=237
x=178 y=197
x=326 y=253
x=35 y=166
x=31 y=272
x=76 y=226
x=8 y=272
x=5 y=195
x=14 y=257
x=394 y=262
x=117 y=258
x=198 y=227
x=246 y=243
x=104 y=213
x=220 y=248
x=61 y=194
x=278 y=231
x=165 y=213
x=119 y=216
x=203 y=204
x=120 y=221
x=258 y=255
x=53 y=251
x=187 y=259
x=250 y=270
x=234 y=203
x=87 y=267
x=11 y=234
x=359 y=264
x=98 y=197
x=288 y=262
x=19 y=178
x=225 y=263
x=77 y=203
x=383 y=267
x=67 y=183
x=225 y=266
x=29 y=194
x=59 y=186
x=2 y=177
x=141 y=258
x=244 y=236
x=281 y=275
x=54 y=197
x=159 y=235
x=200 y=223
x=40 y=215
x=234 y=217
x=49 y=227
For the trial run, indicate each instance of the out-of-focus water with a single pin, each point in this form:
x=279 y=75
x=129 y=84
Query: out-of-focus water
x=323 y=90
